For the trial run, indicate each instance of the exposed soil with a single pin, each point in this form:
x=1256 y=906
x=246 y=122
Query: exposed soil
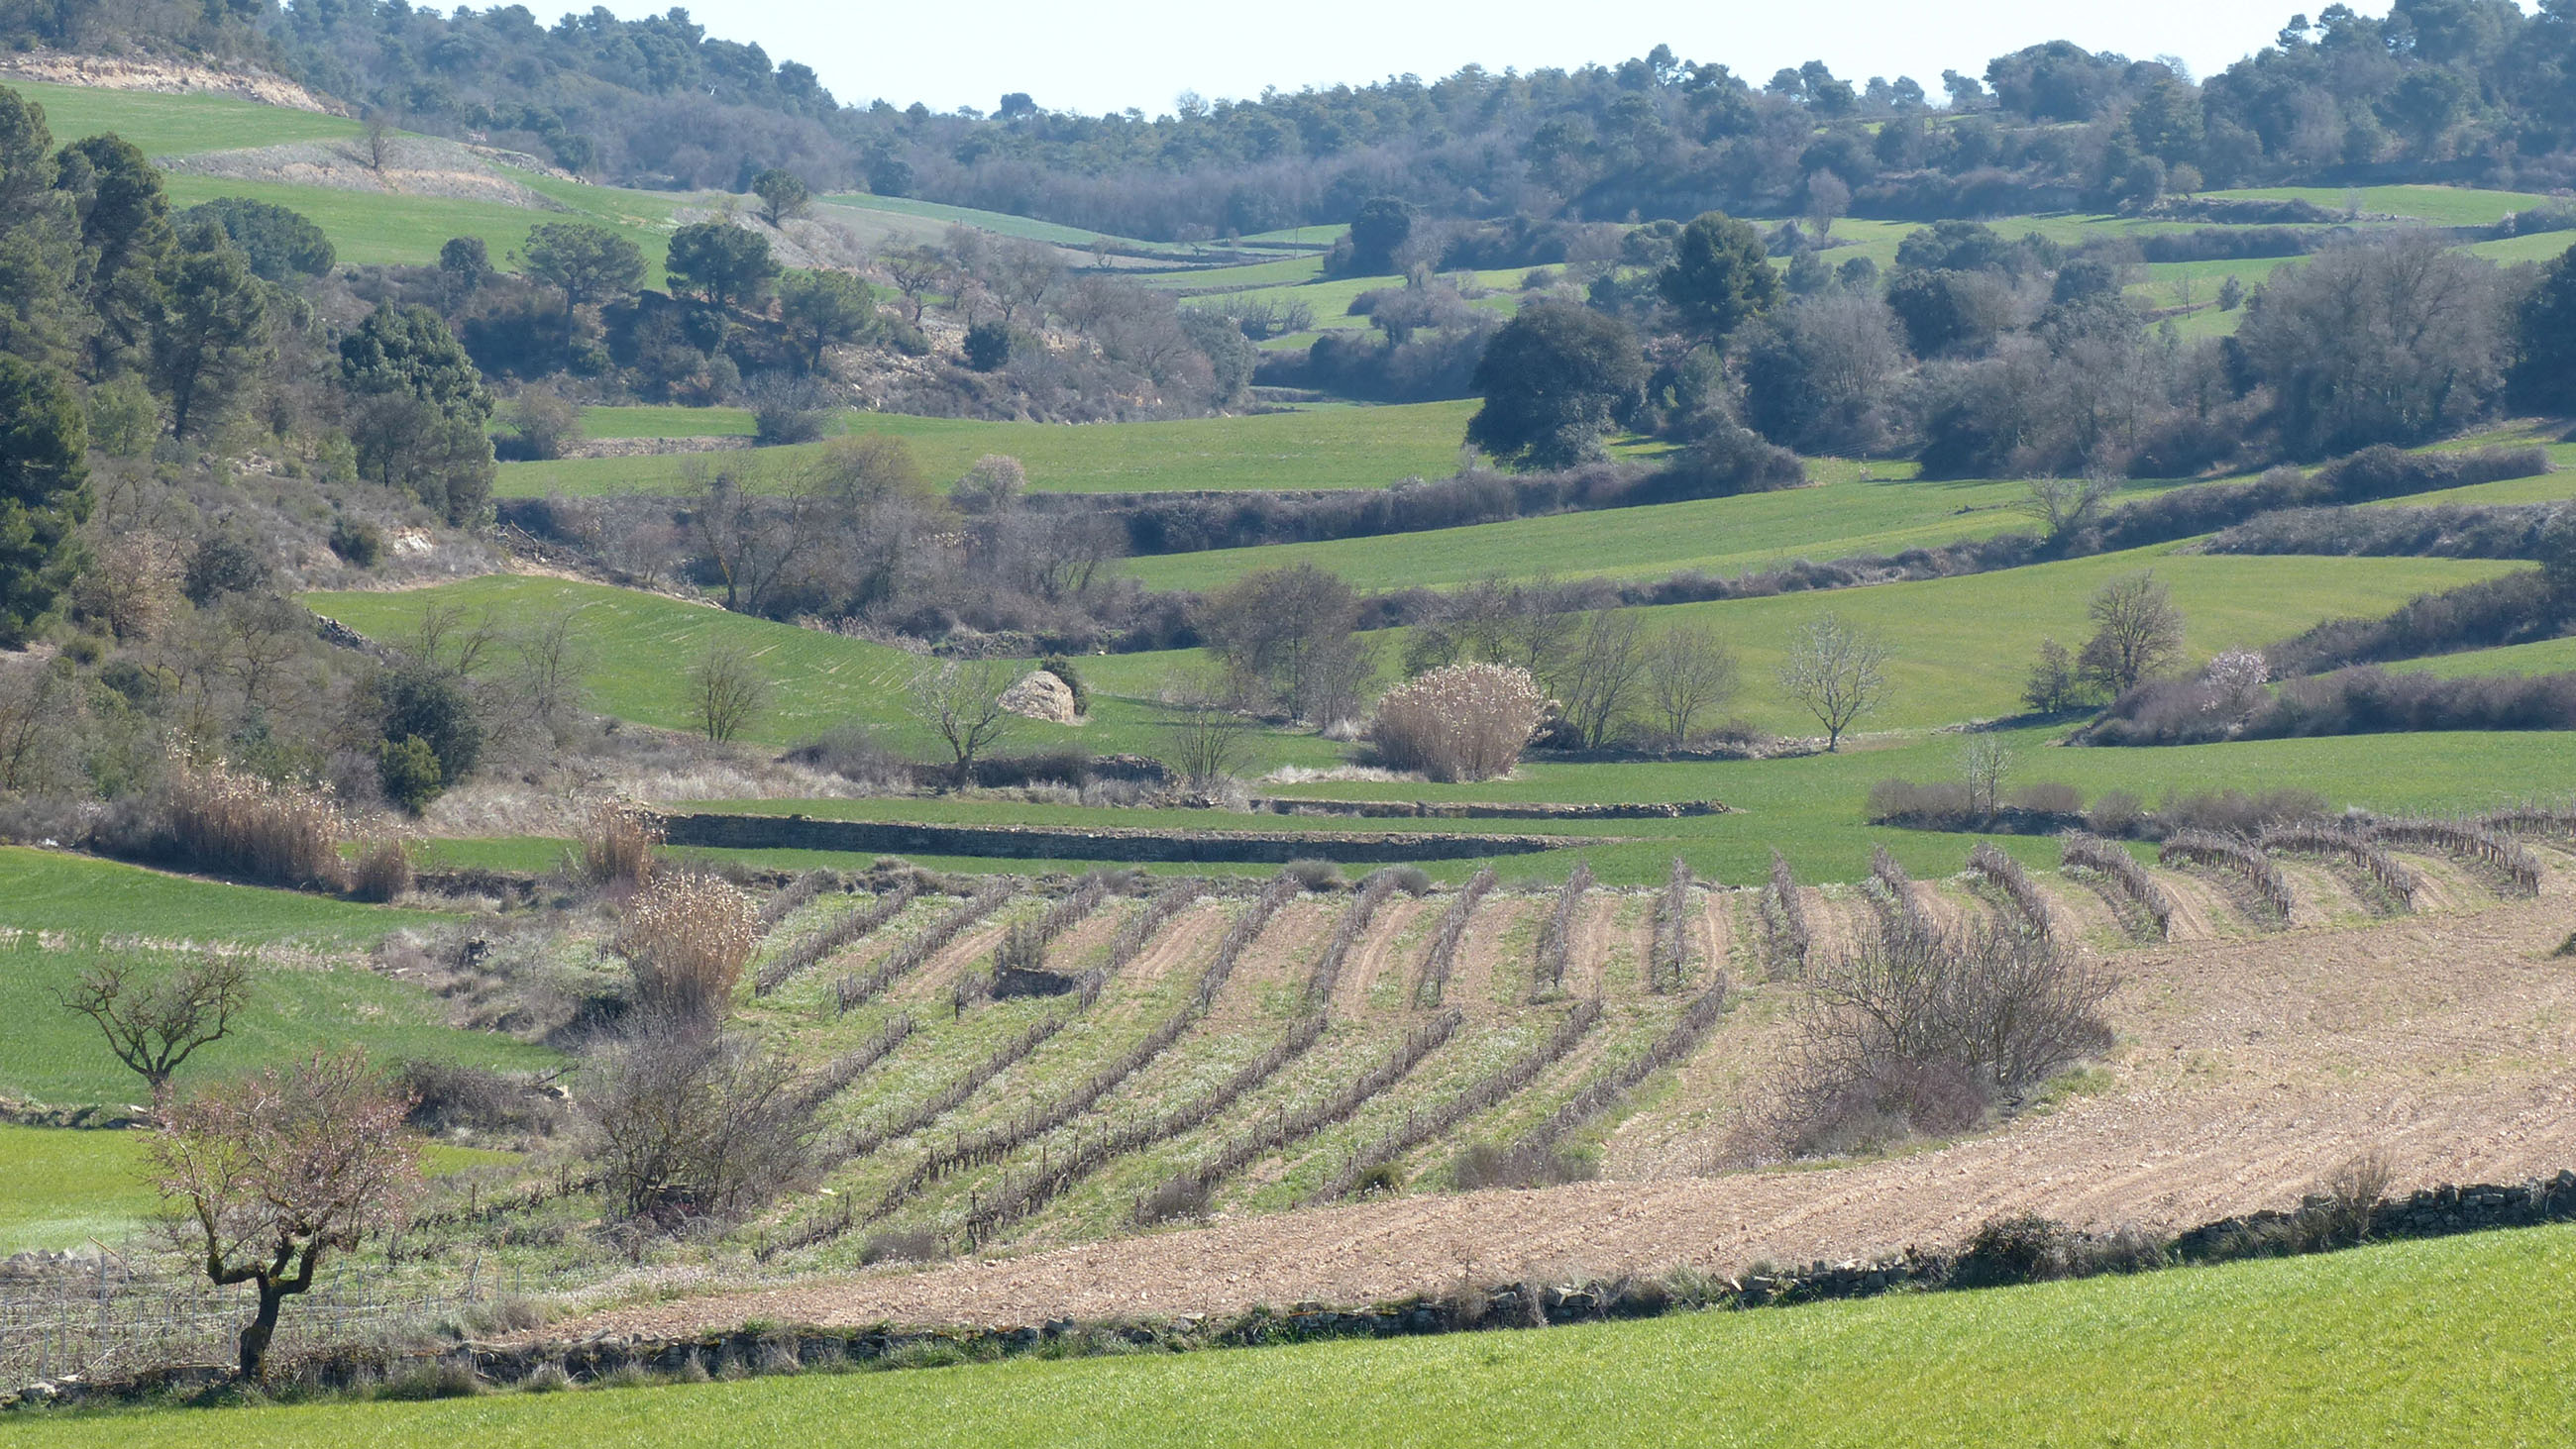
x=413 y=166
x=163 y=77
x=2247 y=1068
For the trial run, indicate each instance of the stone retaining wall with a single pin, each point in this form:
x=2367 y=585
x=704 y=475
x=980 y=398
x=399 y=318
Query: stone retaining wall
x=1470 y=810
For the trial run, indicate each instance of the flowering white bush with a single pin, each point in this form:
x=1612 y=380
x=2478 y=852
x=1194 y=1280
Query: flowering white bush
x=2234 y=676
x=1464 y=722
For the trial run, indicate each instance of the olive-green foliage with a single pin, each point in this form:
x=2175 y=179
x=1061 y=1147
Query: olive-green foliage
x=37 y=239
x=209 y=334
x=2544 y=378
x=44 y=493
x=408 y=771
x=728 y=265
x=824 y=309
x=1554 y=379
x=281 y=243
x=585 y=263
x=1721 y=276
x=782 y=195
x=421 y=408
x=125 y=238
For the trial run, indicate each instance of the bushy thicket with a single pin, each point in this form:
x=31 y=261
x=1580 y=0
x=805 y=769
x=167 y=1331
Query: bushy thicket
x=2507 y=610
x=2360 y=701
x=2367 y=476
x=1462 y=722
x=218 y=819
x=687 y=938
x=1927 y=1030
x=2449 y=530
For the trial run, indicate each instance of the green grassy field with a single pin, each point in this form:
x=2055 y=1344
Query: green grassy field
x=61 y=1189
x=175 y=125
x=51 y=1055
x=2445 y=205
x=1723 y=536
x=997 y=222
x=1328 y=447
x=368 y=227
x=43 y=890
x=2399 y=1343
x=648 y=420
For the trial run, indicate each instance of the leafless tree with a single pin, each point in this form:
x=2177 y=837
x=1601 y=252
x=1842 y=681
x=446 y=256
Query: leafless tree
x=1837 y=672
x=552 y=662
x=154 y=1026
x=1689 y=674
x=378 y=141
x=1207 y=740
x=1597 y=678
x=1985 y=761
x=2137 y=631
x=758 y=536
x=270 y=1172
x=726 y=690
x=39 y=704
x=962 y=705
x=2065 y=505
x=915 y=272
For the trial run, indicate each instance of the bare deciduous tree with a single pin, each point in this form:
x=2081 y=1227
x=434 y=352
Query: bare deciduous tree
x=1597 y=678
x=1837 y=672
x=1690 y=674
x=1985 y=762
x=552 y=662
x=272 y=1171
x=154 y=1026
x=726 y=690
x=2065 y=505
x=1206 y=739
x=2137 y=631
x=962 y=705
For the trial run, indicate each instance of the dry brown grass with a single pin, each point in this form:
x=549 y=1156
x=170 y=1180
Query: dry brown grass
x=617 y=844
x=1464 y=722
x=221 y=820
x=687 y=938
x=383 y=871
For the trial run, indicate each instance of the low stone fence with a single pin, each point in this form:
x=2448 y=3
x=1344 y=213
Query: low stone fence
x=1470 y=810
x=1032 y=842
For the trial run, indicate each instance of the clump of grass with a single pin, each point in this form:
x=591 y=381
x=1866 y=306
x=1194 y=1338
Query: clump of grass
x=687 y=939
x=383 y=871
x=617 y=844
x=222 y=820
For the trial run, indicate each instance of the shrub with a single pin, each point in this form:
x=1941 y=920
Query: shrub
x=988 y=346
x=2469 y=842
x=384 y=869
x=617 y=844
x=228 y=823
x=2115 y=813
x=1784 y=918
x=688 y=1121
x=2236 y=858
x=1556 y=934
x=1463 y=722
x=2319 y=838
x=1481 y=1165
x=1925 y=1030
x=1312 y=875
x=359 y=543
x=407 y=770
x=2237 y=812
x=2008 y=876
x=1669 y=959
x=902 y=1245
x=2047 y=797
x=687 y=938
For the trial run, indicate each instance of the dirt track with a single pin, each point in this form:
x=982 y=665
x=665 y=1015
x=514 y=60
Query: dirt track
x=2246 y=1069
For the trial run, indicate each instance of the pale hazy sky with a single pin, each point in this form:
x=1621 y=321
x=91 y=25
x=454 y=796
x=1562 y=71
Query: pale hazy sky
x=1107 y=55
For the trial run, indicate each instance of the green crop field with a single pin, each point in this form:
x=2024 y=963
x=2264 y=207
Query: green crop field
x=2444 y=205
x=51 y=1055
x=175 y=125
x=665 y=421
x=998 y=222
x=1327 y=447
x=370 y=227
x=43 y=890
x=2398 y=1343
x=1723 y=536
x=66 y=1188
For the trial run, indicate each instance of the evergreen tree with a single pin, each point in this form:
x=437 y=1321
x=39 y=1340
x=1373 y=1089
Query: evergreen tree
x=37 y=248
x=2544 y=377
x=419 y=410
x=44 y=493
x=1554 y=379
x=1720 y=277
x=125 y=240
x=726 y=264
x=209 y=333
x=585 y=263
x=823 y=308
